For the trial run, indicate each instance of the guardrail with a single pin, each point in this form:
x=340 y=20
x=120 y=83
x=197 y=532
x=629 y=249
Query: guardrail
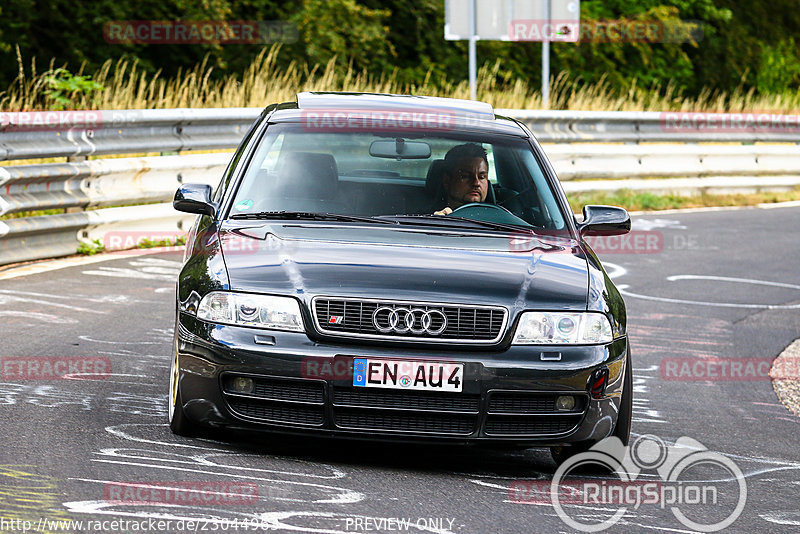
x=82 y=186
x=34 y=135
x=55 y=134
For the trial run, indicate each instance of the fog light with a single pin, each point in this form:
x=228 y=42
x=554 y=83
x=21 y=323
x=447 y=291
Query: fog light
x=242 y=384
x=565 y=403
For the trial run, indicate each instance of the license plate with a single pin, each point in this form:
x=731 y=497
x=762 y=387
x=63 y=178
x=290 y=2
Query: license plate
x=400 y=374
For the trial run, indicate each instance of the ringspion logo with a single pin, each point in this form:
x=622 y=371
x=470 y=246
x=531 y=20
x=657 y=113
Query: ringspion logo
x=704 y=490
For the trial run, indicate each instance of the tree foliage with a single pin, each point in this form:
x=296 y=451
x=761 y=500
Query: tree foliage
x=745 y=45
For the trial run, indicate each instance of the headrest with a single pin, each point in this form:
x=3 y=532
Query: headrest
x=433 y=180
x=308 y=175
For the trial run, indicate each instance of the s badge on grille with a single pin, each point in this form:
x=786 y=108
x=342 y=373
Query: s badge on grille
x=335 y=319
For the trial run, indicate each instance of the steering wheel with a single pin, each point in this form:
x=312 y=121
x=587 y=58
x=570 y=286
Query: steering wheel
x=480 y=211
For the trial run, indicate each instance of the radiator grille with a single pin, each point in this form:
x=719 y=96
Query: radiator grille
x=354 y=317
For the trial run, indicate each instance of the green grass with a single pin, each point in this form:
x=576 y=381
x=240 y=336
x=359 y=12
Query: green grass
x=90 y=249
x=96 y=246
x=123 y=85
x=36 y=213
x=177 y=241
x=634 y=201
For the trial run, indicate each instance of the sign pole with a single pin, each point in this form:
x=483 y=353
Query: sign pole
x=472 y=51
x=546 y=56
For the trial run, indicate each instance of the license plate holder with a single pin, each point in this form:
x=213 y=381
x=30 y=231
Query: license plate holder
x=408 y=374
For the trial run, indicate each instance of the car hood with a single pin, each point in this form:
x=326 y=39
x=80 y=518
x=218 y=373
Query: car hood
x=406 y=263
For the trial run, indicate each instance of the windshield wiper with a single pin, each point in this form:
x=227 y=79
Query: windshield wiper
x=451 y=221
x=308 y=216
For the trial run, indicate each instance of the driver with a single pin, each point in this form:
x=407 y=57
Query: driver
x=465 y=178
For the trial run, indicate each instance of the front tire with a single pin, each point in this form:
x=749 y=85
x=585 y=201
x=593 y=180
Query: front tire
x=178 y=423
x=623 y=428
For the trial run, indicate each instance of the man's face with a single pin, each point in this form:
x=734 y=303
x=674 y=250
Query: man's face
x=468 y=182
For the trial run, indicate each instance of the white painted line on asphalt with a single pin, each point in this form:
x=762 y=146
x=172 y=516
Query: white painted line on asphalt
x=116 y=431
x=789 y=204
x=99 y=508
x=124 y=272
x=87 y=338
x=613 y=270
x=62 y=263
x=205 y=461
x=692 y=210
x=764 y=206
x=114 y=299
x=44 y=317
x=652 y=224
x=331 y=494
x=782 y=518
x=623 y=291
x=18 y=296
x=728 y=279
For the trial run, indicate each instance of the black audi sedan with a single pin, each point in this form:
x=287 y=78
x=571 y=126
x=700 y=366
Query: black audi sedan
x=402 y=268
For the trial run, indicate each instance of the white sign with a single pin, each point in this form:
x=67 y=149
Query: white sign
x=514 y=20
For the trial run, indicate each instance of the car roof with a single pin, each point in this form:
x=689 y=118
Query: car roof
x=420 y=112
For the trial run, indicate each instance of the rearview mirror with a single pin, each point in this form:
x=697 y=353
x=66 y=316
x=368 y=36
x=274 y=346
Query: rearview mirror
x=604 y=220
x=194 y=198
x=400 y=149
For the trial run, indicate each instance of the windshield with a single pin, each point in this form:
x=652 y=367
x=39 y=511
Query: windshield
x=409 y=173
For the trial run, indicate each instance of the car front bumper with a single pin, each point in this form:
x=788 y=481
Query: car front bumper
x=305 y=387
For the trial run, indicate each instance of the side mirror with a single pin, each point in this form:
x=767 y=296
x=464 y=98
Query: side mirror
x=604 y=220
x=194 y=198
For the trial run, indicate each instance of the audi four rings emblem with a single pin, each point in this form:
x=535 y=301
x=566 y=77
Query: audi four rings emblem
x=414 y=320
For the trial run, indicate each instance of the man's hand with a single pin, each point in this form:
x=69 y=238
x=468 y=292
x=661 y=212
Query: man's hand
x=445 y=211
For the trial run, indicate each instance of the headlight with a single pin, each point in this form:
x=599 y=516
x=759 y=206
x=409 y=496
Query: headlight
x=260 y=311
x=554 y=328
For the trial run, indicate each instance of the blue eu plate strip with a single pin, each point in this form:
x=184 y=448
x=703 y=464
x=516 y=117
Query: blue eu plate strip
x=359 y=372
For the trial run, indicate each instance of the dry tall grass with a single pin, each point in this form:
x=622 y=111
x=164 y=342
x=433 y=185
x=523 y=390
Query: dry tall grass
x=263 y=82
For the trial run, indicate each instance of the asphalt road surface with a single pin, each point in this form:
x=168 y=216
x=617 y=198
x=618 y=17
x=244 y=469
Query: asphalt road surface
x=713 y=287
